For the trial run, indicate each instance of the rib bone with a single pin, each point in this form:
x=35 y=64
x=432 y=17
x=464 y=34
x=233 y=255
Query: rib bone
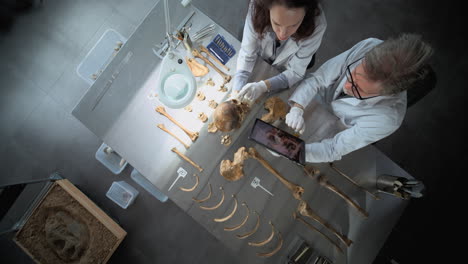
x=305 y=210
x=253 y=230
x=352 y=181
x=296 y=190
x=218 y=204
x=163 y=128
x=230 y=215
x=193 y=135
x=323 y=181
x=192 y=188
x=205 y=50
x=295 y=216
x=278 y=247
x=226 y=77
x=243 y=221
x=204 y=199
x=187 y=159
x=264 y=242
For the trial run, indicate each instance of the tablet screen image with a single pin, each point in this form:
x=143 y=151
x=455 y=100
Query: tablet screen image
x=278 y=141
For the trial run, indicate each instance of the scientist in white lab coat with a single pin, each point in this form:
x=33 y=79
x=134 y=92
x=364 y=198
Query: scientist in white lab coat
x=365 y=87
x=284 y=33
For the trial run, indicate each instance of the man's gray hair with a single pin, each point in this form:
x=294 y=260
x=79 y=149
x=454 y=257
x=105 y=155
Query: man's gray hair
x=398 y=63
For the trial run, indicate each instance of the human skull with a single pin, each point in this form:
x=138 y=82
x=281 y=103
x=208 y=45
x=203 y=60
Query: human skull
x=230 y=114
x=67 y=236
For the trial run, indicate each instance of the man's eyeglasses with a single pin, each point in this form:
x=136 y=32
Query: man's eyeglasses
x=354 y=88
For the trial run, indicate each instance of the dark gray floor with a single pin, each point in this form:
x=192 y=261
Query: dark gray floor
x=38 y=135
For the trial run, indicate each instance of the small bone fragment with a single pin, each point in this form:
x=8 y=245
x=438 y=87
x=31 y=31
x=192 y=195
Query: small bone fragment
x=230 y=215
x=226 y=77
x=264 y=242
x=210 y=82
x=218 y=204
x=323 y=181
x=119 y=44
x=241 y=223
x=253 y=230
x=202 y=116
x=352 y=181
x=305 y=210
x=212 y=128
x=122 y=162
x=311 y=171
x=277 y=109
x=212 y=104
x=193 y=135
x=278 y=247
x=296 y=190
x=222 y=88
x=205 y=50
x=188 y=108
x=196 y=68
x=204 y=199
x=191 y=188
x=163 y=128
x=295 y=216
x=226 y=140
x=187 y=159
x=94 y=76
x=200 y=96
x=233 y=171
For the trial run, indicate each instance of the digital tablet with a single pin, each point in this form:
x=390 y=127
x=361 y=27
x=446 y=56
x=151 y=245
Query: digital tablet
x=279 y=141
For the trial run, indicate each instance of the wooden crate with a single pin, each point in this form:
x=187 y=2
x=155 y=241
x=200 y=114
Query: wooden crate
x=91 y=236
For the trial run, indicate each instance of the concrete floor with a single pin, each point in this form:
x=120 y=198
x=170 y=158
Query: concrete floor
x=39 y=87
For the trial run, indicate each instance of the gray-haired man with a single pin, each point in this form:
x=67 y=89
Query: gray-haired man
x=366 y=88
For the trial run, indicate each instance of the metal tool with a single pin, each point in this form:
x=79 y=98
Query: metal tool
x=181 y=174
x=204 y=32
x=256 y=183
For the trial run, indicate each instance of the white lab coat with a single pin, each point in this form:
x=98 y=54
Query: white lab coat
x=367 y=121
x=294 y=57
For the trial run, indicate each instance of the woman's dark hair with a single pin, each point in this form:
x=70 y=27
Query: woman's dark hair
x=261 y=16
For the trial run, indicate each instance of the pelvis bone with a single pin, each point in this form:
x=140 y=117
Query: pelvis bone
x=277 y=109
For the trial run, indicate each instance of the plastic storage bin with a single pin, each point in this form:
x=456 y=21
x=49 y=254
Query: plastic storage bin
x=111 y=161
x=148 y=186
x=100 y=55
x=122 y=193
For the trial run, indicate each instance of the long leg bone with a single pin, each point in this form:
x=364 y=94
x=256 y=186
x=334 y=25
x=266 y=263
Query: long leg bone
x=352 y=181
x=230 y=215
x=305 y=210
x=226 y=77
x=218 y=204
x=191 y=188
x=278 y=247
x=253 y=230
x=295 y=216
x=241 y=223
x=163 y=128
x=205 y=50
x=187 y=159
x=323 y=181
x=296 y=190
x=264 y=242
x=193 y=135
x=204 y=199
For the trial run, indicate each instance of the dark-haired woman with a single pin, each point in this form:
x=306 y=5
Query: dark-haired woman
x=284 y=33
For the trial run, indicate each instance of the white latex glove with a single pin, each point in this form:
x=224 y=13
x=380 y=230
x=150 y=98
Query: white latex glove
x=252 y=91
x=295 y=120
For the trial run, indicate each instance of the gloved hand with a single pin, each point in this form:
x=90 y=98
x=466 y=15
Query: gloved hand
x=252 y=91
x=295 y=120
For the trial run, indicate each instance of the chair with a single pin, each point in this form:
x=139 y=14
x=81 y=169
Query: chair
x=422 y=87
